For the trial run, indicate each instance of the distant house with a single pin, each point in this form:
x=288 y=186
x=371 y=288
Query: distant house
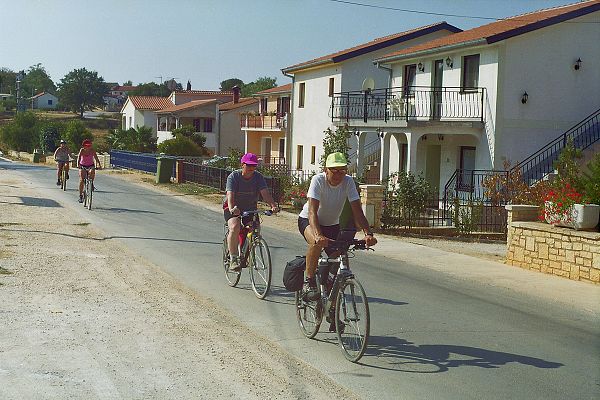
x=141 y=111
x=44 y=101
x=231 y=133
x=116 y=96
x=5 y=96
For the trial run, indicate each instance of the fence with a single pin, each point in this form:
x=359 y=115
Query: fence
x=146 y=162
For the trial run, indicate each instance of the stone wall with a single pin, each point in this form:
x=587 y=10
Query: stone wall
x=552 y=250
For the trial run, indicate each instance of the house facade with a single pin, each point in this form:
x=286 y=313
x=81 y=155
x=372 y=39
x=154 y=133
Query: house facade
x=231 y=131
x=141 y=111
x=266 y=130
x=316 y=81
x=44 y=101
x=478 y=98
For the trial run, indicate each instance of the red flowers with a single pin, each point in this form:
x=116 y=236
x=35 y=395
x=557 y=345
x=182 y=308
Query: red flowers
x=559 y=204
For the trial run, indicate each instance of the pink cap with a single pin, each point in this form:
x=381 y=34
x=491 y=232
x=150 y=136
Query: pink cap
x=250 y=159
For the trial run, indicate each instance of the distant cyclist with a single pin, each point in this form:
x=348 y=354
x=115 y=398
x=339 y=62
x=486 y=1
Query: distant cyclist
x=85 y=161
x=319 y=220
x=62 y=156
x=243 y=189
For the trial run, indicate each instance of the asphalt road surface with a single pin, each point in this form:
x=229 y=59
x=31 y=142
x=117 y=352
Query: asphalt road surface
x=433 y=335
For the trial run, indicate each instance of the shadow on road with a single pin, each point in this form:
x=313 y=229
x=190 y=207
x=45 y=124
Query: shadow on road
x=130 y=210
x=32 y=201
x=404 y=356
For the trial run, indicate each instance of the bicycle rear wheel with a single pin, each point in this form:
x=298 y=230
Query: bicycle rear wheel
x=233 y=277
x=84 y=193
x=352 y=319
x=63 y=179
x=309 y=314
x=260 y=268
x=90 y=190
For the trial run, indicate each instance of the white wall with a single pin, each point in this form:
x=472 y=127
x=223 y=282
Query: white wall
x=42 y=101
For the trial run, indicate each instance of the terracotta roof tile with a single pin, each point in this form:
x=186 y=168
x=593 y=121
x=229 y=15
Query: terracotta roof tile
x=185 y=106
x=373 y=45
x=244 y=101
x=150 y=102
x=204 y=92
x=502 y=29
x=279 y=89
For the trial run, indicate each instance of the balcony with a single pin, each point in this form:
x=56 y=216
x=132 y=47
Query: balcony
x=275 y=122
x=415 y=103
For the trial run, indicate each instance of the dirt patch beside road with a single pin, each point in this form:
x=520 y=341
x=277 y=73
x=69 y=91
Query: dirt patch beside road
x=85 y=318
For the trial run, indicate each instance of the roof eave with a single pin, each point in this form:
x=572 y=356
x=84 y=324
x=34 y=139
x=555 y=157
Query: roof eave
x=442 y=49
x=291 y=70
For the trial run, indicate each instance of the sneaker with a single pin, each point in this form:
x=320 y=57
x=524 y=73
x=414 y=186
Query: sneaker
x=58 y=182
x=310 y=289
x=81 y=199
x=234 y=264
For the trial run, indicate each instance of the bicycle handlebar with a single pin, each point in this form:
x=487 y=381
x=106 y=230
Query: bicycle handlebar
x=346 y=244
x=253 y=212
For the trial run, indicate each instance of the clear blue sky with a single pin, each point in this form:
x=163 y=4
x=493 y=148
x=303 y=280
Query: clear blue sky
x=208 y=41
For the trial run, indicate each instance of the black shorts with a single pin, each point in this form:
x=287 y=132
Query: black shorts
x=330 y=231
x=228 y=215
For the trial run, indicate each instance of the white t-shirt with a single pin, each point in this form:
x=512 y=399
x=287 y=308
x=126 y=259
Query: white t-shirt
x=331 y=198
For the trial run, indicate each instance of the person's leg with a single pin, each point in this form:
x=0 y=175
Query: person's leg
x=312 y=252
x=81 y=177
x=233 y=239
x=66 y=167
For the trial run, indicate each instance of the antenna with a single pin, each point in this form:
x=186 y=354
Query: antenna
x=156 y=77
x=368 y=85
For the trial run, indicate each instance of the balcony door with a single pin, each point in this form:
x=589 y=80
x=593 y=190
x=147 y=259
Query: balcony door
x=438 y=81
x=266 y=150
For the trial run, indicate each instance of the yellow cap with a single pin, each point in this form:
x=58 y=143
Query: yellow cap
x=336 y=160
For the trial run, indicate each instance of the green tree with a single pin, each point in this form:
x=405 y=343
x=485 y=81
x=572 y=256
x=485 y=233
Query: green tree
x=81 y=90
x=128 y=83
x=75 y=133
x=181 y=146
x=335 y=142
x=36 y=81
x=22 y=133
x=133 y=139
x=228 y=84
x=189 y=132
x=150 y=89
x=7 y=80
x=50 y=135
x=263 y=83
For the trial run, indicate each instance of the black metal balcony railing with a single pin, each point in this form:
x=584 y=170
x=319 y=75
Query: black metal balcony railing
x=413 y=103
x=263 y=121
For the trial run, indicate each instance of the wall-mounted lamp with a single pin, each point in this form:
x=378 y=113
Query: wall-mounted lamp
x=380 y=133
x=356 y=133
x=440 y=137
x=449 y=62
x=577 y=64
x=421 y=67
x=524 y=98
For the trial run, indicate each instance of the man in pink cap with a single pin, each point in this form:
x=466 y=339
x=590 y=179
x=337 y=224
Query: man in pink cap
x=243 y=188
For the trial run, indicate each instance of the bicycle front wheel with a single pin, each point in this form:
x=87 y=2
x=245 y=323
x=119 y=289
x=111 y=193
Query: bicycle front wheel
x=233 y=277
x=352 y=319
x=63 y=179
x=90 y=192
x=309 y=314
x=260 y=268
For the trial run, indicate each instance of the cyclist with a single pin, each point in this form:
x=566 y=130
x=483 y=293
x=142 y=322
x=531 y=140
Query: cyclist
x=319 y=220
x=86 y=158
x=242 y=191
x=61 y=156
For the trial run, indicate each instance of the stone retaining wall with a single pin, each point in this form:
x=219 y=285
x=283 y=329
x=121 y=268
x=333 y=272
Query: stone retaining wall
x=552 y=250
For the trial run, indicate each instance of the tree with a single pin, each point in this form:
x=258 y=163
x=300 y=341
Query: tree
x=81 y=90
x=258 y=85
x=75 y=133
x=128 y=83
x=334 y=142
x=140 y=139
x=36 y=81
x=189 y=132
x=22 y=133
x=7 y=80
x=150 y=89
x=228 y=84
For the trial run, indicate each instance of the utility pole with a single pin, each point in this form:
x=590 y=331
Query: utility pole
x=20 y=105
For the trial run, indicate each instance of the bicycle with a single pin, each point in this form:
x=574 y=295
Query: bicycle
x=341 y=298
x=88 y=187
x=254 y=254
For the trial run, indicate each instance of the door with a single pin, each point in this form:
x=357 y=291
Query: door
x=432 y=167
x=266 y=150
x=281 y=151
x=438 y=80
x=467 y=167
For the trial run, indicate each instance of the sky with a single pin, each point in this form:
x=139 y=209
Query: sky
x=209 y=41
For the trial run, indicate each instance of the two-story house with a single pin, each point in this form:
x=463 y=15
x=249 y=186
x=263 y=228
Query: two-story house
x=266 y=131
x=477 y=98
x=316 y=81
x=231 y=131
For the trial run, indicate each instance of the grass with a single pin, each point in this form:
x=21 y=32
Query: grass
x=4 y=271
x=81 y=224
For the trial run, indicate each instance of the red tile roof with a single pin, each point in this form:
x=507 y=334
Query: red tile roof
x=204 y=92
x=150 y=102
x=499 y=30
x=373 y=45
x=279 y=89
x=127 y=88
x=185 y=106
x=244 y=101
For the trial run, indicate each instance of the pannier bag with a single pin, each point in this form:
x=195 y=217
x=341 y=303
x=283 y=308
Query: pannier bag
x=293 y=274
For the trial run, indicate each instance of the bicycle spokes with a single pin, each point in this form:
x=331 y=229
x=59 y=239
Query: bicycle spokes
x=352 y=319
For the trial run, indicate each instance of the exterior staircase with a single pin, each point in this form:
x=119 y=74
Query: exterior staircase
x=371 y=162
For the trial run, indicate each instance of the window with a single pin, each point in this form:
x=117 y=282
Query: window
x=49 y=102
x=130 y=122
x=285 y=105
x=331 y=81
x=302 y=94
x=208 y=125
x=197 y=125
x=313 y=154
x=263 y=106
x=299 y=156
x=410 y=77
x=470 y=72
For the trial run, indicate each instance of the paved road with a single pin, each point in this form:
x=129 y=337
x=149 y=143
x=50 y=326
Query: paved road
x=435 y=335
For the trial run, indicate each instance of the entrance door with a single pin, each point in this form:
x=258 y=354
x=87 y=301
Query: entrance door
x=432 y=167
x=281 y=151
x=467 y=166
x=438 y=80
x=266 y=150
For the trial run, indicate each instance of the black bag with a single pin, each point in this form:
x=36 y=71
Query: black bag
x=293 y=274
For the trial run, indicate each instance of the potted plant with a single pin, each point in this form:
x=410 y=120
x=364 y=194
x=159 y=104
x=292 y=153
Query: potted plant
x=564 y=206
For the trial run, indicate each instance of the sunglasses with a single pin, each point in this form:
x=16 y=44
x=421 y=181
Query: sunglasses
x=338 y=170
x=251 y=165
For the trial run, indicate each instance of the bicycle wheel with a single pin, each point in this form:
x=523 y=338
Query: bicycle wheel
x=309 y=314
x=90 y=190
x=352 y=319
x=260 y=268
x=232 y=277
x=84 y=193
x=63 y=179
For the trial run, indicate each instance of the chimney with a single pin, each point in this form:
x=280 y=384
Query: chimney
x=236 y=94
x=189 y=85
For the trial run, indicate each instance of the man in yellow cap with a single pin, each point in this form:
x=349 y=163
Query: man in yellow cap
x=319 y=220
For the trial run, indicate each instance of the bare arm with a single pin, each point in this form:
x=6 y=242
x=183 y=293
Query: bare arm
x=78 y=158
x=361 y=221
x=231 y=203
x=266 y=195
x=97 y=160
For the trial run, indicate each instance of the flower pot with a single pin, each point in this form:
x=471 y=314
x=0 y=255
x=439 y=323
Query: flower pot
x=580 y=217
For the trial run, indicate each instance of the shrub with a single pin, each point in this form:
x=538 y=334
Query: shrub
x=22 y=133
x=180 y=146
x=408 y=197
x=190 y=132
x=50 y=136
x=590 y=181
x=140 y=139
x=75 y=133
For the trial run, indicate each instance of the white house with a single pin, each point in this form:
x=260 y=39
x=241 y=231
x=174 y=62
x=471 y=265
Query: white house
x=316 y=81
x=44 y=101
x=474 y=99
x=141 y=111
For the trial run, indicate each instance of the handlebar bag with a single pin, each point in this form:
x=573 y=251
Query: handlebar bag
x=293 y=274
